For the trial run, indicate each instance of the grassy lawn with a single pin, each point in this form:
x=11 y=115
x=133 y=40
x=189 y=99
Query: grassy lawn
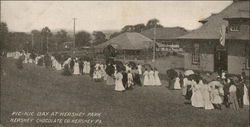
x=36 y=89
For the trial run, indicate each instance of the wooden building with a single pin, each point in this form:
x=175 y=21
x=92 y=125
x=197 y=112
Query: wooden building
x=166 y=36
x=129 y=45
x=203 y=50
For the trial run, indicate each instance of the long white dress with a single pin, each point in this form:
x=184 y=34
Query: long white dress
x=151 y=78
x=118 y=82
x=130 y=79
x=139 y=67
x=215 y=96
x=53 y=61
x=184 y=88
x=245 y=96
x=206 y=97
x=157 y=79
x=177 y=84
x=196 y=99
x=84 y=66
x=76 y=69
x=88 y=67
x=99 y=74
x=26 y=57
x=58 y=65
x=146 y=81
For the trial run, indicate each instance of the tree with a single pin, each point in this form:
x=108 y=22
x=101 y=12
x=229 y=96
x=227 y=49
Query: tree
x=3 y=36
x=19 y=41
x=60 y=37
x=127 y=28
x=99 y=37
x=46 y=33
x=82 y=38
x=139 y=27
x=153 y=23
x=36 y=36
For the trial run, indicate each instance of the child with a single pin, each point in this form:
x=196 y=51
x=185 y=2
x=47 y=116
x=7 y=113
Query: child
x=95 y=75
x=177 y=84
x=99 y=74
x=215 y=97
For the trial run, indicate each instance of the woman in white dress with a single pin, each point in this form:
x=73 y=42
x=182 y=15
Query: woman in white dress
x=146 y=81
x=156 y=77
x=87 y=67
x=26 y=58
x=245 y=96
x=215 y=97
x=58 y=65
x=84 y=67
x=139 y=67
x=196 y=99
x=99 y=74
x=184 y=88
x=151 y=77
x=76 y=68
x=118 y=82
x=130 y=79
x=177 y=84
x=206 y=90
x=53 y=61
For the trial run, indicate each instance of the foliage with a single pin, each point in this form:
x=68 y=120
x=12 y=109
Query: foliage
x=99 y=37
x=82 y=39
x=138 y=27
x=109 y=51
x=46 y=36
x=3 y=36
x=153 y=23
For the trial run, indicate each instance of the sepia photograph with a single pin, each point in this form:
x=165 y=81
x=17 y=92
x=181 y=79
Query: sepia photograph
x=124 y=63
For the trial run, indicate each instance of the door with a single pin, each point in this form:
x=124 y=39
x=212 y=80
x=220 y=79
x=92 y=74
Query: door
x=220 y=59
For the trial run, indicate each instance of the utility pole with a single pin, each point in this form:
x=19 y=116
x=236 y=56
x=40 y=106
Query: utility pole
x=74 y=38
x=154 y=47
x=47 y=44
x=32 y=41
x=154 y=44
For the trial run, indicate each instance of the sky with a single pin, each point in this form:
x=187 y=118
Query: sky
x=24 y=16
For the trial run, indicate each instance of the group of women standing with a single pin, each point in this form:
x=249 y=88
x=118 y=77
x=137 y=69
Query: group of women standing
x=212 y=95
x=151 y=78
x=123 y=76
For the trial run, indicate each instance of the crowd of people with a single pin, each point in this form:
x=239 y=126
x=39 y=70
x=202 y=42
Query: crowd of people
x=209 y=91
x=123 y=76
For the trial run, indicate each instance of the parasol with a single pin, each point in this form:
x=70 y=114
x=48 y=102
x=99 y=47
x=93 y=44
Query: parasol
x=188 y=72
x=194 y=77
x=215 y=83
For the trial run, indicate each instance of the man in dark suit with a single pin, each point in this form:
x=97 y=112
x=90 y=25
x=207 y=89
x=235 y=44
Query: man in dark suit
x=240 y=93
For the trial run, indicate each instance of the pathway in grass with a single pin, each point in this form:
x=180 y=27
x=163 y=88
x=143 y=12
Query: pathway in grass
x=38 y=89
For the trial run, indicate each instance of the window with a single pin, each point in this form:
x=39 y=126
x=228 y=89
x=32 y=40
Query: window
x=247 y=63
x=196 y=54
x=234 y=27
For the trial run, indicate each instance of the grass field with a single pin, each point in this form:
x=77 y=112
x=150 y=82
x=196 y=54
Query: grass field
x=36 y=89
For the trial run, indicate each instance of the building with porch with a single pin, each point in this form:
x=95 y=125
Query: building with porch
x=129 y=45
x=166 y=36
x=203 y=50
